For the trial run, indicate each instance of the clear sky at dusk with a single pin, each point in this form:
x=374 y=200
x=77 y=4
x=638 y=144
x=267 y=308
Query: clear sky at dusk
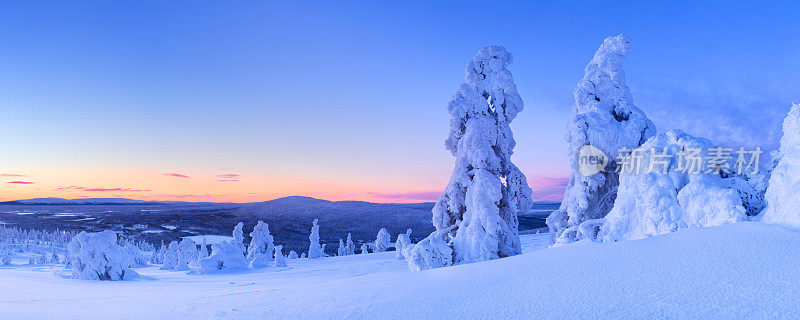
x=248 y=101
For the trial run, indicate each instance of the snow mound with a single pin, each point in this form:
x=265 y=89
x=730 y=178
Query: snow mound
x=783 y=193
x=605 y=118
x=666 y=193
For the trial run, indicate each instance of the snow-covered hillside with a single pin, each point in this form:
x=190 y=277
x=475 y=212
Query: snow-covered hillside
x=697 y=273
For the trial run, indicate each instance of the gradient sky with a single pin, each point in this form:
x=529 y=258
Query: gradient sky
x=248 y=101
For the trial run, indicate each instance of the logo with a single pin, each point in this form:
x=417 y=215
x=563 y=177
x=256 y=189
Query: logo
x=591 y=160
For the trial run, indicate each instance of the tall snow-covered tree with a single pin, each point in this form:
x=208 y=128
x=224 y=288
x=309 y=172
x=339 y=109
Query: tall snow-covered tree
x=486 y=190
x=605 y=118
x=350 y=248
x=238 y=237
x=341 y=251
x=171 y=256
x=314 y=249
x=783 y=192
x=261 y=243
x=382 y=241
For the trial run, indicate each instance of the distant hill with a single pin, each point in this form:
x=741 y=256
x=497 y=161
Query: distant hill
x=89 y=201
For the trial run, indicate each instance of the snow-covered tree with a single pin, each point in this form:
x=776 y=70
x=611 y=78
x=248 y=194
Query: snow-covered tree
x=431 y=252
x=341 y=251
x=303 y=255
x=238 y=236
x=673 y=195
x=783 y=193
x=137 y=256
x=403 y=241
x=158 y=256
x=350 y=248
x=605 y=118
x=171 y=256
x=364 y=248
x=314 y=249
x=293 y=255
x=262 y=242
x=280 y=260
x=187 y=254
x=382 y=241
x=486 y=190
x=97 y=256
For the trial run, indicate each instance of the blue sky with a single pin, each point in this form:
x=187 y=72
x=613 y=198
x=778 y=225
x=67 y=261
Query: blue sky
x=347 y=100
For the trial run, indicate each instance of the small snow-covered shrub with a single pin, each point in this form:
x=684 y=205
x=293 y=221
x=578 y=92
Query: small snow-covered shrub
x=341 y=251
x=293 y=255
x=364 y=248
x=96 y=256
x=382 y=241
x=280 y=260
x=431 y=252
x=673 y=196
x=403 y=241
x=225 y=256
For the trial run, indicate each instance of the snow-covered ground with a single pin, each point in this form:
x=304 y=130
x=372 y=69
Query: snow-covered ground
x=744 y=270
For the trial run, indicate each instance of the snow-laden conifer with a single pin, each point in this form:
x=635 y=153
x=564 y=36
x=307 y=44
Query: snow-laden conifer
x=382 y=241
x=783 y=192
x=97 y=256
x=314 y=249
x=280 y=260
x=603 y=117
x=261 y=243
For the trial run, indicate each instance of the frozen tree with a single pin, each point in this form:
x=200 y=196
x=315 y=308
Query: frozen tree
x=782 y=197
x=342 y=251
x=158 y=256
x=605 y=118
x=403 y=242
x=262 y=242
x=350 y=248
x=671 y=190
x=293 y=255
x=54 y=259
x=280 y=260
x=187 y=254
x=314 y=249
x=431 y=252
x=203 y=249
x=486 y=190
x=96 y=256
x=170 y=256
x=137 y=256
x=225 y=256
x=303 y=255
x=364 y=248
x=238 y=236
x=323 y=250
x=382 y=241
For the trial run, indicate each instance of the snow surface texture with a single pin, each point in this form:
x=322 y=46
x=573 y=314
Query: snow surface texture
x=604 y=117
x=476 y=200
x=737 y=271
x=783 y=193
x=668 y=198
x=96 y=256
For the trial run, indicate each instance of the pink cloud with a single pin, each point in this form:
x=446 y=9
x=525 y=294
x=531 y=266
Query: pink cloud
x=20 y=182
x=549 y=189
x=228 y=176
x=12 y=175
x=176 y=175
x=228 y=180
x=408 y=196
x=70 y=188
